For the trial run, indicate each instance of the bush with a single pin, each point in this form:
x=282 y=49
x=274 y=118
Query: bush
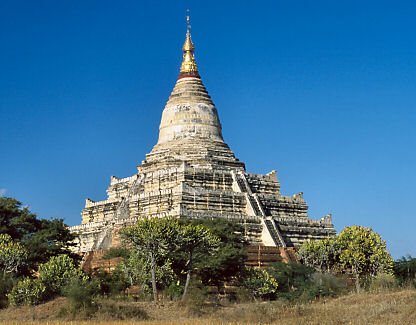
x=382 y=282
x=81 y=295
x=243 y=295
x=84 y=303
x=298 y=281
x=293 y=278
x=196 y=299
x=27 y=292
x=113 y=283
x=174 y=291
x=54 y=275
x=324 y=285
x=57 y=273
x=6 y=285
x=260 y=283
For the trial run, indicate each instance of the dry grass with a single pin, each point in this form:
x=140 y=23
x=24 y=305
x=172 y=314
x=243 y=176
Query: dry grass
x=394 y=307
x=186 y=322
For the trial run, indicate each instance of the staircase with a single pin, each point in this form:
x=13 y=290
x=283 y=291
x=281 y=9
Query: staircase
x=274 y=231
x=254 y=205
x=257 y=208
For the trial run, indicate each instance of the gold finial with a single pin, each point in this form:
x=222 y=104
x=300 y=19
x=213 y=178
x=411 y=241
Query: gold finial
x=188 y=66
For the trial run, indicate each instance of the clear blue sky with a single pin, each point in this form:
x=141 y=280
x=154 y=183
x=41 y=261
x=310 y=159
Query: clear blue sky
x=322 y=91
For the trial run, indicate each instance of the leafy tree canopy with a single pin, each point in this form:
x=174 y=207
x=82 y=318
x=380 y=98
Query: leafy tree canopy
x=356 y=249
x=230 y=254
x=212 y=250
x=405 y=269
x=320 y=254
x=195 y=239
x=13 y=255
x=153 y=239
x=363 y=251
x=41 y=237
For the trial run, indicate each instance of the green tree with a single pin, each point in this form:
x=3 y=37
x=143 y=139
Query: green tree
x=42 y=238
x=138 y=270
x=154 y=238
x=13 y=255
x=194 y=238
x=52 y=238
x=230 y=255
x=356 y=249
x=321 y=255
x=16 y=220
x=363 y=252
x=405 y=269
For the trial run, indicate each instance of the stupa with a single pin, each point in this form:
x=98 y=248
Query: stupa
x=192 y=173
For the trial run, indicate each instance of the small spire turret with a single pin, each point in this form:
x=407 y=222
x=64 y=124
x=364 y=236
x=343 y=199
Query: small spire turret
x=188 y=66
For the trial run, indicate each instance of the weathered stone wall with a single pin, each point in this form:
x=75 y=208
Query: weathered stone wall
x=190 y=192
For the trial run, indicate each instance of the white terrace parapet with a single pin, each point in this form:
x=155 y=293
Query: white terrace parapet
x=294 y=197
x=267 y=176
x=115 y=180
x=154 y=153
x=90 y=203
x=87 y=226
x=302 y=220
x=174 y=190
x=196 y=170
x=217 y=192
x=162 y=172
x=212 y=214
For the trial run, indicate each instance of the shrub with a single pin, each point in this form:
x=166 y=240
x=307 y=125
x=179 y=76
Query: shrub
x=81 y=295
x=293 y=278
x=27 y=292
x=6 y=285
x=324 y=285
x=13 y=255
x=243 y=295
x=54 y=275
x=382 y=282
x=260 y=283
x=174 y=291
x=113 y=283
x=58 y=272
x=196 y=299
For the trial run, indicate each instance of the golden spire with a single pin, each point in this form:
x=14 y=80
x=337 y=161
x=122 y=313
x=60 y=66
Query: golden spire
x=188 y=66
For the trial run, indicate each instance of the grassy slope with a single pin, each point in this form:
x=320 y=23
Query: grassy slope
x=382 y=308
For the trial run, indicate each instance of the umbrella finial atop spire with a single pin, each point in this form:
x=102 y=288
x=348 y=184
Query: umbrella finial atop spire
x=188 y=66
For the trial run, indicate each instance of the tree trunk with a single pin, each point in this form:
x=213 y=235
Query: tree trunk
x=153 y=271
x=357 y=283
x=188 y=277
